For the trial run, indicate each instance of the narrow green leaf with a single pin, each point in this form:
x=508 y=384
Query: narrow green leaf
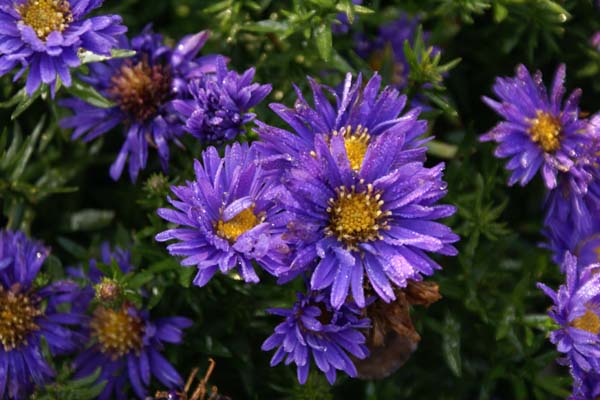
x=323 y=40
x=89 y=95
x=87 y=57
x=451 y=345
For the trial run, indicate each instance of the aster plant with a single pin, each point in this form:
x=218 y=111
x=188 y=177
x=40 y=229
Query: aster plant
x=143 y=89
x=314 y=332
x=124 y=342
x=45 y=36
x=31 y=316
x=540 y=132
x=220 y=104
x=227 y=218
x=370 y=227
x=576 y=310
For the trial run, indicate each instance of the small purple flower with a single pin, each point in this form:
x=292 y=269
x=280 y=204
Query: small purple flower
x=46 y=35
x=31 y=316
x=143 y=89
x=540 y=132
x=313 y=330
x=378 y=220
x=227 y=217
x=360 y=114
x=220 y=104
x=576 y=310
x=126 y=344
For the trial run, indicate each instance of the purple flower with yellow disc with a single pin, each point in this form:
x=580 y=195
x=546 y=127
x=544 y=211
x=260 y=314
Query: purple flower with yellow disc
x=314 y=332
x=227 y=217
x=125 y=343
x=360 y=114
x=576 y=310
x=540 y=132
x=143 y=89
x=31 y=319
x=220 y=104
x=46 y=36
x=372 y=226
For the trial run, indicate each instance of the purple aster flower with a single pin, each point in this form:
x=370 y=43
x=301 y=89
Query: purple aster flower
x=30 y=317
x=227 y=217
x=572 y=208
x=360 y=114
x=313 y=330
x=46 y=35
x=576 y=310
x=125 y=343
x=378 y=220
x=220 y=104
x=540 y=132
x=143 y=89
x=586 y=387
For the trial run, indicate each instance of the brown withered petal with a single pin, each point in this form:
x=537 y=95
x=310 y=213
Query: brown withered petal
x=393 y=338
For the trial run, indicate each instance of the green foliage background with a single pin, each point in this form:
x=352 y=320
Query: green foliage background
x=485 y=340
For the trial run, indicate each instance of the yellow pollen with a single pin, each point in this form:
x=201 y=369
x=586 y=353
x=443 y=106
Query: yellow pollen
x=356 y=217
x=545 y=130
x=356 y=142
x=117 y=331
x=237 y=225
x=590 y=321
x=18 y=312
x=46 y=16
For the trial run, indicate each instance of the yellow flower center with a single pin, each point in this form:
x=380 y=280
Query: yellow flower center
x=46 y=16
x=356 y=143
x=117 y=331
x=18 y=312
x=237 y=225
x=588 y=322
x=545 y=130
x=141 y=89
x=356 y=217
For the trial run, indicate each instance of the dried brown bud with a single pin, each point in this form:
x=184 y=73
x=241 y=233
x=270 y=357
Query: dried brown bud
x=393 y=338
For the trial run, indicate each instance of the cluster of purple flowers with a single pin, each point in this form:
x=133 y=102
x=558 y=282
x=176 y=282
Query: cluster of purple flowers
x=116 y=337
x=161 y=93
x=541 y=133
x=343 y=200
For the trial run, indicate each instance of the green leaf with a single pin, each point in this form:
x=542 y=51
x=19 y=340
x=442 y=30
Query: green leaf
x=268 y=26
x=89 y=95
x=90 y=219
x=451 y=345
x=323 y=40
x=24 y=103
x=87 y=57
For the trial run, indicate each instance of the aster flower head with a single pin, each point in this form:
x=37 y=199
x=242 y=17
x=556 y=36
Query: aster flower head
x=359 y=113
x=220 y=103
x=46 y=35
x=312 y=330
x=372 y=227
x=143 y=89
x=227 y=217
x=30 y=316
x=540 y=132
x=576 y=310
x=125 y=343
x=573 y=207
